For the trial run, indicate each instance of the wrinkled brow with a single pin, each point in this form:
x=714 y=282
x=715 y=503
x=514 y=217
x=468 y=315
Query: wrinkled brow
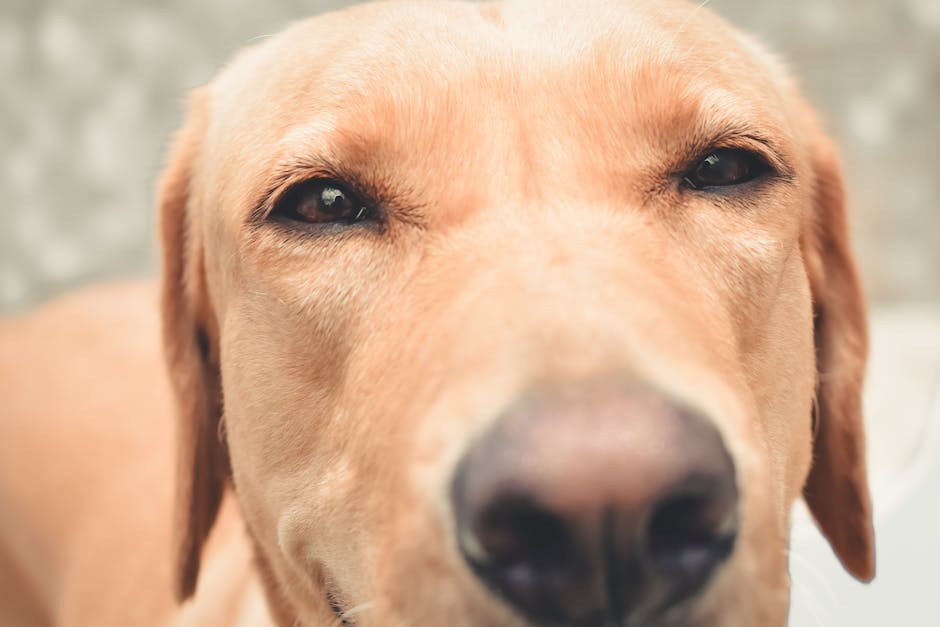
x=359 y=163
x=706 y=118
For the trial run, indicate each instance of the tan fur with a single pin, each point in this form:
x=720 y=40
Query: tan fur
x=536 y=233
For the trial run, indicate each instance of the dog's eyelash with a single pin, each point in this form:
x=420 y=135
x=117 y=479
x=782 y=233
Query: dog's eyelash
x=739 y=139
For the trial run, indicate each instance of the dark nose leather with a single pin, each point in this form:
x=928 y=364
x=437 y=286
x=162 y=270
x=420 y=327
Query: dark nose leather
x=585 y=507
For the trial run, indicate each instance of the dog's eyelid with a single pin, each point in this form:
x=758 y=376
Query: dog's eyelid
x=757 y=143
x=770 y=153
x=273 y=194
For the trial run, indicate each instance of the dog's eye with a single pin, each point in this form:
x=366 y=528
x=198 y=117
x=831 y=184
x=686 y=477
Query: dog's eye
x=724 y=167
x=322 y=202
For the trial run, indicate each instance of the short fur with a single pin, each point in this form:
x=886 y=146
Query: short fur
x=528 y=161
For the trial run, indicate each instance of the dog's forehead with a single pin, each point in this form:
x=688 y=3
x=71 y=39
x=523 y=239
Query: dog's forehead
x=401 y=41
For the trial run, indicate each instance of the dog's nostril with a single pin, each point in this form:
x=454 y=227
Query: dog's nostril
x=522 y=550
x=514 y=529
x=691 y=532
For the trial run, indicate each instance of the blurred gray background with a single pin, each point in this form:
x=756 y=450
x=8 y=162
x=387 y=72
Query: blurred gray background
x=92 y=89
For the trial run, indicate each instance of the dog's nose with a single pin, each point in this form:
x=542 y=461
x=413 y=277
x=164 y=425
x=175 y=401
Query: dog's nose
x=583 y=507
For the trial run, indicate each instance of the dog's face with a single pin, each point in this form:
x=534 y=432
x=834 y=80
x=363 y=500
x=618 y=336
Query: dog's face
x=516 y=315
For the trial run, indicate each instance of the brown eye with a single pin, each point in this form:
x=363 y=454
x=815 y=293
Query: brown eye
x=322 y=202
x=725 y=167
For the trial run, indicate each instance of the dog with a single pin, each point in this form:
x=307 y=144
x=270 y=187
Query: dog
x=474 y=315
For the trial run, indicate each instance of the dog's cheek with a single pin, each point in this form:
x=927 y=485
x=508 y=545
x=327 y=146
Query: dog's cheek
x=292 y=424
x=780 y=364
x=766 y=294
x=753 y=265
x=293 y=317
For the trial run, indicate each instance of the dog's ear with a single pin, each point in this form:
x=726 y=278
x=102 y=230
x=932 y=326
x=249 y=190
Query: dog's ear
x=190 y=348
x=837 y=488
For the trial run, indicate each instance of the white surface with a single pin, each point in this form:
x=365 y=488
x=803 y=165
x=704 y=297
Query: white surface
x=903 y=422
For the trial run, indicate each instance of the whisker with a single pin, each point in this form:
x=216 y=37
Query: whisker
x=708 y=67
x=815 y=572
x=259 y=38
x=814 y=606
x=347 y=617
x=689 y=17
x=817 y=605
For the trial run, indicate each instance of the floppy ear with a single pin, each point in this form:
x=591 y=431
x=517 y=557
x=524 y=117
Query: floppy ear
x=190 y=348
x=837 y=488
